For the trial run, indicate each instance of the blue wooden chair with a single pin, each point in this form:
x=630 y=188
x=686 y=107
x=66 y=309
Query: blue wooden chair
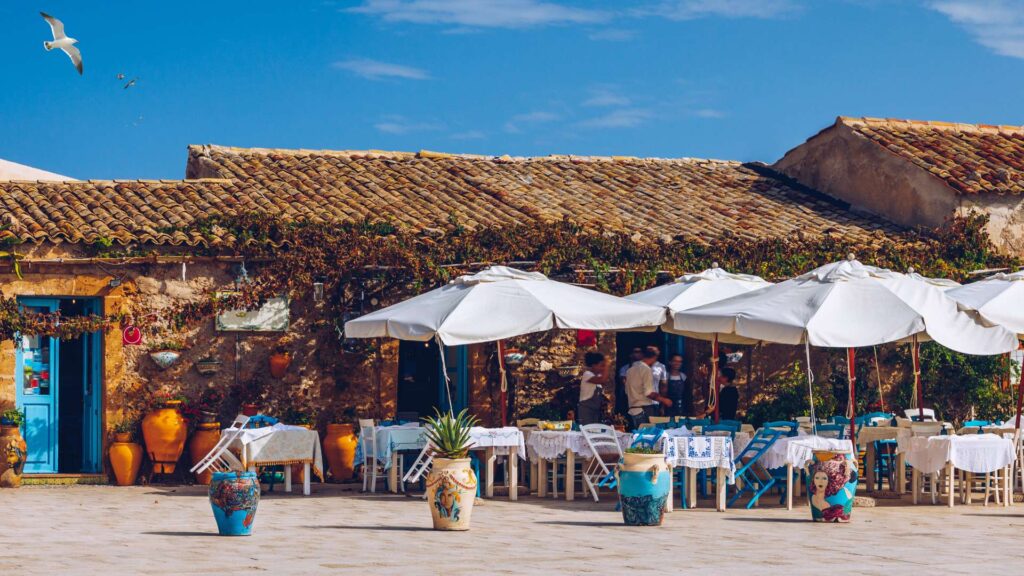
x=751 y=475
x=735 y=424
x=647 y=436
x=787 y=427
x=719 y=430
x=261 y=421
x=878 y=418
x=838 y=431
x=691 y=423
x=840 y=420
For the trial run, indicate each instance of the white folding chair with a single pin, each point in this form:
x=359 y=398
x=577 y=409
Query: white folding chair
x=604 y=444
x=421 y=466
x=220 y=458
x=373 y=468
x=929 y=414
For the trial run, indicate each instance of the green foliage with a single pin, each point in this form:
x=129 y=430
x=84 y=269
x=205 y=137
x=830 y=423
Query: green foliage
x=784 y=397
x=12 y=417
x=642 y=450
x=449 y=435
x=126 y=425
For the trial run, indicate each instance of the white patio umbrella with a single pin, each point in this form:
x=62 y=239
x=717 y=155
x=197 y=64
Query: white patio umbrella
x=693 y=290
x=499 y=303
x=1000 y=299
x=848 y=305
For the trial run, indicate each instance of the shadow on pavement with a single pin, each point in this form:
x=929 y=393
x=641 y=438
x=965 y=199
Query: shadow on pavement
x=374 y=528
x=174 y=533
x=771 y=520
x=587 y=524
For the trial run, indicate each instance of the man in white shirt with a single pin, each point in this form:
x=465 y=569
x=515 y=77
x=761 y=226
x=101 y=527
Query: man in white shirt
x=658 y=371
x=640 y=391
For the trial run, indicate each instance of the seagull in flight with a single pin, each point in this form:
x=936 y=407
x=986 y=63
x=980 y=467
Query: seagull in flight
x=60 y=40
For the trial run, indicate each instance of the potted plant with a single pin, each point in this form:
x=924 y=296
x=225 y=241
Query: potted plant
x=164 y=430
x=13 y=450
x=249 y=393
x=643 y=480
x=125 y=454
x=166 y=352
x=208 y=365
x=451 y=484
x=281 y=358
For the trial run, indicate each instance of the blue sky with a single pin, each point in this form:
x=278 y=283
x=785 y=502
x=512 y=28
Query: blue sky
x=734 y=79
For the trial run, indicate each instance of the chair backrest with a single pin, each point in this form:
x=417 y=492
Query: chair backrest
x=840 y=420
x=789 y=427
x=368 y=434
x=527 y=422
x=878 y=418
x=837 y=431
x=734 y=424
x=407 y=417
x=602 y=440
x=261 y=421
x=763 y=440
x=926 y=429
x=239 y=423
x=719 y=430
x=915 y=414
x=691 y=423
x=647 y=437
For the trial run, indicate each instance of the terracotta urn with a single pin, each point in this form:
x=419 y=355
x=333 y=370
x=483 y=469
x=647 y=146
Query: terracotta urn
x=451 y=492
x=164 y=431
x=125 y=459
x=203 y=440
x=340 y=451
x=279 y=362
x=13 y=453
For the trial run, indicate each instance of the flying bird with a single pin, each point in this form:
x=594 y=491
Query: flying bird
x=131 y=83
x=60 y=40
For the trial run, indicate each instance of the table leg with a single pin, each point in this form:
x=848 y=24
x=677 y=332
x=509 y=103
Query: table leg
x=720 y=476
x=513 y=473
x=901 y=474
x=871 y=459
x=691 y=487
x=305 y=479
x=542 y=477
x=950 y=479
x=570 y=475
x=489 y=457
x=789 y=486
x=287 y=478
x=1007 y=486
x=393 y=473
x=671 y=489
x=967 y=488
x=915 y=480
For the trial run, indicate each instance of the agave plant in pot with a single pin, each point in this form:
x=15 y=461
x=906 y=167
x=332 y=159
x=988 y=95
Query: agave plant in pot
x=451 y=484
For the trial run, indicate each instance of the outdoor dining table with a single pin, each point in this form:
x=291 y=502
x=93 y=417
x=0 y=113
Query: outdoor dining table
x=796 y=451
x=282 y=445
x=548 y=445
x=701 y=453
x=973 y=453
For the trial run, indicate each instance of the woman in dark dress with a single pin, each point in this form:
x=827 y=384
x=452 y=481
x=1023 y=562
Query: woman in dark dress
x=680 y=389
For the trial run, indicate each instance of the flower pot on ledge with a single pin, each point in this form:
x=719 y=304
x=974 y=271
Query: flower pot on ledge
x=279 y=362
x=165 y=358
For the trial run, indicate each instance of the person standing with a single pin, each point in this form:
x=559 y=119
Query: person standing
x=728 y=396
x=659 y=372
x=592 y=389
x=679 y=388
x=640 y=391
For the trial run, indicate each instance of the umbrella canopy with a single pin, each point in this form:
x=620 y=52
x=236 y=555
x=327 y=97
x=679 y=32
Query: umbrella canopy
x=693 y=290
x=847 y=305
x=998 y=298
x=502 y=302
x=943 y=283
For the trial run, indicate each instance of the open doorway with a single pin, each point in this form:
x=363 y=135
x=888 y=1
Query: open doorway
x=627 y=342
x=421 y=385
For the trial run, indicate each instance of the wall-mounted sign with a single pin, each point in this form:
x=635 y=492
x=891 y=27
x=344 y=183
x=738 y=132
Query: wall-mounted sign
x=131 y=335
x=273 y=316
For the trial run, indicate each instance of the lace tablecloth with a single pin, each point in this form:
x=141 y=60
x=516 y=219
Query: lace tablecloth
x=391 y=439
x=281 y=444
x=701 y=452
x=501 y=439
x=799 y=450
x=552 y=444
x=977 y=453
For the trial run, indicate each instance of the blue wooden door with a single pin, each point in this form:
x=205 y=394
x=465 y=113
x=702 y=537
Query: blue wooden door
x=92 y=392
x=36 y=380
x=456 y=361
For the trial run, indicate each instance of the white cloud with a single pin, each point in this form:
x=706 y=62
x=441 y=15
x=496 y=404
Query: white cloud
x=622 y=118
x=469 y=135
x=516 y=123
x=377 y=70
x=480 y=13
x=693 y=9
x=613 y=35
x=394 y=124
x=995 y=24
x=708 y=113
x=604 y=97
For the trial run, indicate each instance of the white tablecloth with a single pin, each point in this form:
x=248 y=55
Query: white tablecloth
x=701 y=452
x=977 y=453
x=799 y=450
x=501 y=439
x=281 y=444
x=868 y=434
x=552 y=444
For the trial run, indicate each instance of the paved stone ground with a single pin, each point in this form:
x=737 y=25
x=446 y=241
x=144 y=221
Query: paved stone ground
x=170 y=530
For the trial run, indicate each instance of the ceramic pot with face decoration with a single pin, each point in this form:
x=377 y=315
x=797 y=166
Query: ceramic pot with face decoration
x=832 y=486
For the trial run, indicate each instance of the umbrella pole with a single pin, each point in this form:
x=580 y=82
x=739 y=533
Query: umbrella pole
x=714 y=373
x=447 y=380
x=503 y=394
x=915 y=353
x=1020 y=397
x=851 y=356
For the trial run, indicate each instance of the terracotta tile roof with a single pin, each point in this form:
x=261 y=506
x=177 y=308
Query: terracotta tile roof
x=697 y=199
x=971 y=158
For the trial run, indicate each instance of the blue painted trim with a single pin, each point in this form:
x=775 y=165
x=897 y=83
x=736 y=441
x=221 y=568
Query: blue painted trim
x=459 y=374
x=40 y=429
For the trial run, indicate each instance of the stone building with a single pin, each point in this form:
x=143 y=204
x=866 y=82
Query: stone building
x=64 y=231
x=919 y=173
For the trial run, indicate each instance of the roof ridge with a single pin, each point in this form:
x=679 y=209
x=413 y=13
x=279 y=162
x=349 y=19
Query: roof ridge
x=436 y=155
x=937 y=124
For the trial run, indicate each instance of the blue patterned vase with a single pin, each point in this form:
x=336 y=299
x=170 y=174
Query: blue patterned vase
x=234 y=497
x=832 y=486
x=644 y=483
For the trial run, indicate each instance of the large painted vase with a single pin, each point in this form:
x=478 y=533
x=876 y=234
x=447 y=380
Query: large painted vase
x=234 y=497
x=13 y=453
x=832 y=486
x=340 y=450
x=164 y=431
x=644 y=481
x=451 y=492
